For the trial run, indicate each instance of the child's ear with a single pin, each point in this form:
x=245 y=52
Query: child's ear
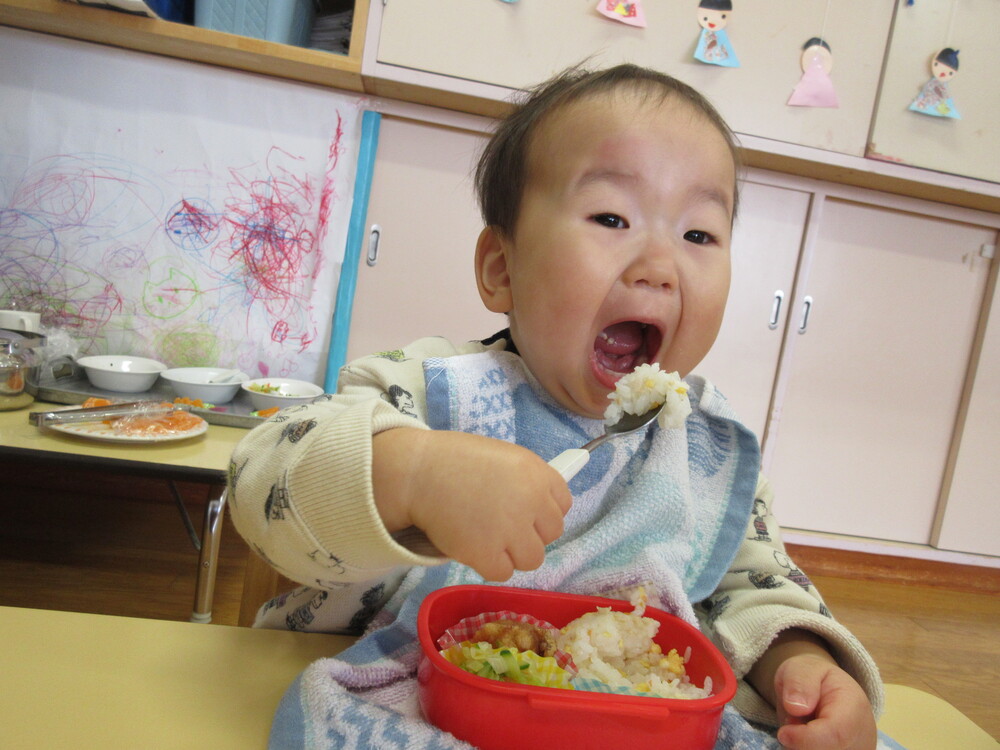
x=492 y=275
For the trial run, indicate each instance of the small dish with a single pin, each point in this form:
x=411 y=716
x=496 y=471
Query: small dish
x=121 y=372
x=104 y=432
x=281 y=392
x=197 y=383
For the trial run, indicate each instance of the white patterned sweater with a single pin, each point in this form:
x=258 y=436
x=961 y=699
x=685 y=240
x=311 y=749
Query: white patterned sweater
x=301 y=495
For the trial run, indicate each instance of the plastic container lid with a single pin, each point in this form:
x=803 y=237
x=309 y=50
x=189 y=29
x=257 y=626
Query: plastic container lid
x=502 y=715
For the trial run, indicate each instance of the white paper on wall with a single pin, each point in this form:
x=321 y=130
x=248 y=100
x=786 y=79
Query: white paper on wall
x=168 y=209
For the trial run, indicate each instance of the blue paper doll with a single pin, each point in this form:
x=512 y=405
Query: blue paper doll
x=934 y=97
x=713 y=44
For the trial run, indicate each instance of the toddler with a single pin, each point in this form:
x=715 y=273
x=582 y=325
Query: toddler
x=608 y=200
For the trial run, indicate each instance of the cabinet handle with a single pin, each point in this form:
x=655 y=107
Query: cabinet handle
x=807 y=304
x=779 y=296
x=374 y=235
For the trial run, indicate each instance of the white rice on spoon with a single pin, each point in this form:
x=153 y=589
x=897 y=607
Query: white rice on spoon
x=648 y=387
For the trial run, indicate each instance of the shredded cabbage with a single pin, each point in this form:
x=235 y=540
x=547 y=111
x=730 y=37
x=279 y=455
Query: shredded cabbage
x=508 y=664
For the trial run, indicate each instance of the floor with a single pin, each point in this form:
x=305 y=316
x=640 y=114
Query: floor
x=70 y=543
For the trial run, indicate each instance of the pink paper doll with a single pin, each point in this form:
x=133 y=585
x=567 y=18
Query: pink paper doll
x=815 y=88
x=627 y=12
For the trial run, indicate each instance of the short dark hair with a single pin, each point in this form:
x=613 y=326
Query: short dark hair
x=502 y=170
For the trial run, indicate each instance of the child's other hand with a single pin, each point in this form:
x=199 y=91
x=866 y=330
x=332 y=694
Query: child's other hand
x=821 y=707
x=488 y=504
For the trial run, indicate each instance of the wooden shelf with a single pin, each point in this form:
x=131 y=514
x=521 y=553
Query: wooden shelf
x=344 y=72
x=192 y=42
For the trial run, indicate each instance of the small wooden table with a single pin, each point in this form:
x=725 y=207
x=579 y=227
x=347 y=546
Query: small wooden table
x=203 y=459
x=81 y=680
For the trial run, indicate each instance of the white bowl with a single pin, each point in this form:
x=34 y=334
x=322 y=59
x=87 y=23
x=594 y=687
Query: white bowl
x=196 y=383
x=121 y=372
x=281 y=392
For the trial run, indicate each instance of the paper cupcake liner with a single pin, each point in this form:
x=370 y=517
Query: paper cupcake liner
x=465 y=629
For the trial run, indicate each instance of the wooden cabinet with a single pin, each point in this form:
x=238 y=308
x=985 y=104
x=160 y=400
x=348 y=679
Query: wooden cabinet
x=970 y=517
x=515 y=45
x=767 y=239
x=876 y=352
x=424 y=210
x=193 y=43
x=967 y=146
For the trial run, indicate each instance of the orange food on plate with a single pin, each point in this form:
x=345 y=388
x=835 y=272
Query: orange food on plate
x=95 y=401
x=268 y=412
x=170 y=423
x=196 y=402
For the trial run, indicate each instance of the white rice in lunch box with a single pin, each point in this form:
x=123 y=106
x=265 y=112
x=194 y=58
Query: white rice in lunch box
x=617 y=648
x=646 y=388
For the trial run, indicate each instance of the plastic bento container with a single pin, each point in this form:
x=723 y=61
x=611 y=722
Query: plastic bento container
x=496 y=715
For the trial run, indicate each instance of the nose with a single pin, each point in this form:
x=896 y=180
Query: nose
x=654 y=265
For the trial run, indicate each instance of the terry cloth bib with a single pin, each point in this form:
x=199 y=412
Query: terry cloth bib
x=664 y=508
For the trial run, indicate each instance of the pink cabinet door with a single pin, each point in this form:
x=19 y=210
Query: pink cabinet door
x=868 y=392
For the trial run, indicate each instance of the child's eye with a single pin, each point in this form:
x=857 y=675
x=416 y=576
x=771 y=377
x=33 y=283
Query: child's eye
x=612 y=221
x=698 y=237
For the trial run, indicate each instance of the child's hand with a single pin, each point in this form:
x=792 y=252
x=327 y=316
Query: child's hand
x=821 y=707
x=486 y=503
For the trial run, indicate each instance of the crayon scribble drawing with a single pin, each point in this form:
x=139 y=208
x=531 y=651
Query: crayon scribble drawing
x=173 y=210
x=229 y=276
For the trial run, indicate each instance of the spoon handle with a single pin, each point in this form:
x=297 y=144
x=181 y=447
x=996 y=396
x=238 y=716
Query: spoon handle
x=569 y=462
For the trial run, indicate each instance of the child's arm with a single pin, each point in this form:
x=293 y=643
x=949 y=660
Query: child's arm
x=818 y=704
x=776 y=631
x=486 y=503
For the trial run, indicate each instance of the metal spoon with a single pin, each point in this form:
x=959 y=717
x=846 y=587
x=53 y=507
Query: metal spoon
x=224 y=377
x=570 y=461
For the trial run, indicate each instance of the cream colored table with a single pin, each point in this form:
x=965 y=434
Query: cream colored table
x=73 y=680
x=202 y=459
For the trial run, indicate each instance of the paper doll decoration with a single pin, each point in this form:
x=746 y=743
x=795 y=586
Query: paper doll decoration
x=934 y=97
x=815 y=88
x=626 y=12
x=713 y=44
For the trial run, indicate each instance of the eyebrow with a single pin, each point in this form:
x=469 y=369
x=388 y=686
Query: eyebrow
x=701 y=194
x=712 y=195
x=606 y=175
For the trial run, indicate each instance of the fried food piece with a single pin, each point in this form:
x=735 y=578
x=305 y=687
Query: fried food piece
x=520 y=635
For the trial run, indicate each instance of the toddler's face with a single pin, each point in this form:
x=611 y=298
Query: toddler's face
x=621 y=251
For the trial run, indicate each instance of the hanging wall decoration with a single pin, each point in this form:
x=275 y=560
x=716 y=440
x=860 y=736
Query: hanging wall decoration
x=935 y=98
x=713 y=44
x=626 y=12
x=815 y=88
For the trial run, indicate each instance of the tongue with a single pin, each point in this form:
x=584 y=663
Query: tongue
x=618 y=346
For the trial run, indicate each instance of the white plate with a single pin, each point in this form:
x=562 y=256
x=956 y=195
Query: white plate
x=106 y=433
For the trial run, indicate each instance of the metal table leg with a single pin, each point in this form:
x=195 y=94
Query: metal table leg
x=208 y=559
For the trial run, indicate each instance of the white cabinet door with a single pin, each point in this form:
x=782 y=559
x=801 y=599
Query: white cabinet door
x=868 y=394
x=967 y=146
x=517 y=45
x=767 y=239
x=423 y=282
x=971 y=518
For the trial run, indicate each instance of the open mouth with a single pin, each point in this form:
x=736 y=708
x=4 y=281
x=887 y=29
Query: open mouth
x=622 y=347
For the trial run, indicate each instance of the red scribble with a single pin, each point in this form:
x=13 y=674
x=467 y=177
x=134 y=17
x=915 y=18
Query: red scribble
x=329 y=194
x=280 y=332
x=270 y=236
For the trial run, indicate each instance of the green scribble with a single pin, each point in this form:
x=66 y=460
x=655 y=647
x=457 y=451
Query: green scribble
x=167 y=298
x=195 y=346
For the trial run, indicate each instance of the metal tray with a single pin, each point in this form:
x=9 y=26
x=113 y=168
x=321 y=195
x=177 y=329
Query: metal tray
x=66 y=383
